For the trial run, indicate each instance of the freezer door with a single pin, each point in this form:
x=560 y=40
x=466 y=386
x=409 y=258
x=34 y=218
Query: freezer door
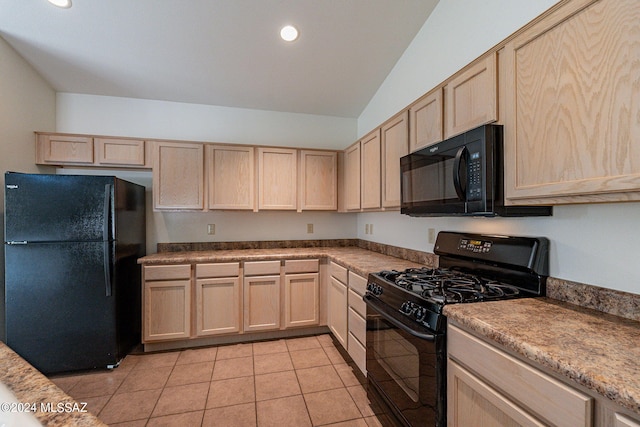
x=58 y=316
x=51 y=208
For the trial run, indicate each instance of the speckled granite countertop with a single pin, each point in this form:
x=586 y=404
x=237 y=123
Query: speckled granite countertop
x=361 y=261
x=30 y=386
x=597 y=350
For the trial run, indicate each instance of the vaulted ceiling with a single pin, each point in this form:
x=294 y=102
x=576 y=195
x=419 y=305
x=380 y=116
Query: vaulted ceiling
x=218 y=52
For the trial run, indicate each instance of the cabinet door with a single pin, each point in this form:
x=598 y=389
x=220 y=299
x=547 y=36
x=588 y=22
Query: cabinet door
x=277 y=178
x=178 y=176
x=395 y=144
x=167 y=310
x=370 y=181
x=572 y=132
x=61 y=149
x=301 y=300
x=426 y=121
x=352 y=159
x=217 y=306
x=471 y=98
x=622 y=421
x=471 y=402
x=119 y=152
x=546 y=398
x=261 y=303
x=318 y=180
x=231 y=172
x=337 y=319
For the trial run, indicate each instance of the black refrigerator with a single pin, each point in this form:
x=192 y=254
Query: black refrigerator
x=72 y=281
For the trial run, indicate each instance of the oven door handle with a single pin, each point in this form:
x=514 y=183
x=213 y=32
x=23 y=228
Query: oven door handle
x=380 y=309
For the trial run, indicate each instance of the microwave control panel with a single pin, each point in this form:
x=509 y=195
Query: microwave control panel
x=474 y=176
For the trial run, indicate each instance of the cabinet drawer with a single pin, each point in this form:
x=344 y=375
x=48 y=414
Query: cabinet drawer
x=358 y=353
x=357 y=326
x=338 y=271
x=301 y=266
x=167 y=272
x=226 y=269
x=357 y=303
x=544 y=395
x=357 y=283
x=259 y=268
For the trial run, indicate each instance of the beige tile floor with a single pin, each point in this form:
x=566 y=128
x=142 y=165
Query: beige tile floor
x=290 y=382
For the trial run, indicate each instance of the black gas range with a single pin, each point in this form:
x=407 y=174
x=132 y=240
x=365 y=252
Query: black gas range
x=406 y=327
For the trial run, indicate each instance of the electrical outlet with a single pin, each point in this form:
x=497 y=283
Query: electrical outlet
x=366 y=229
x=432 y=235
x=370 y=228
x=211 y=229
x=309 y=228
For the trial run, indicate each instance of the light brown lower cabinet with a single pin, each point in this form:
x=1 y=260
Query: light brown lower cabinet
x=357 y=322
x=166 y=302
x=218 y=299
x=301 y=300
x=488 y=387
x=261 y=295
x=337 y=314
x=624 y=421
x=187 y=302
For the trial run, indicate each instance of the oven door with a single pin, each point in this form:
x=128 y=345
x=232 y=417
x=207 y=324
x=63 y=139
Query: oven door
x=405 y=367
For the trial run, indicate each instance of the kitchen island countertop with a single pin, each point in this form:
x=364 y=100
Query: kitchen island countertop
x=596 y=350
x=53 y=406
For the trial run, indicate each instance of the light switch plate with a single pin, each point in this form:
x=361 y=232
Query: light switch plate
x=211 y=229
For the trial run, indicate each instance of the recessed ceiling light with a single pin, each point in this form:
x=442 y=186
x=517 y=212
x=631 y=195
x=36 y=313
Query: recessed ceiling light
x=61 y=3
x=289 y=33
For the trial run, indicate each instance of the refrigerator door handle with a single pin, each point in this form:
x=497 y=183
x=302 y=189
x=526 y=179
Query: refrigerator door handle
x=107 y=268
x=105 y=236
x=105 y=212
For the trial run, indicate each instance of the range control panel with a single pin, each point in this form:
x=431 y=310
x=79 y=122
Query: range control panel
x=475 y=246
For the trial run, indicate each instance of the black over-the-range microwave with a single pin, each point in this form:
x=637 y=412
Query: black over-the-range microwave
x=462 y=175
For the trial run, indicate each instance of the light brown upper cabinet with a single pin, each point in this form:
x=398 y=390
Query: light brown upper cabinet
x=62 y=149
x=426 y=119
x=395 y=144
x=231 y=171
x=119 y=152
x=370 y=170
x=352 y=159
x=471 y=96
x=571 y=113
x=318 y=184
x=178 y=176
x=277 y=178
x=56 y=149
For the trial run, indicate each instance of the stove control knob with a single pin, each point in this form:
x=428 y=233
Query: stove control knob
x=406 y=307
x=374 y=289
x=419 y=313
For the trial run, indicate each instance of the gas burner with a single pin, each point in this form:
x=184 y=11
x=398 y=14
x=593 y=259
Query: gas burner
x=449 y=286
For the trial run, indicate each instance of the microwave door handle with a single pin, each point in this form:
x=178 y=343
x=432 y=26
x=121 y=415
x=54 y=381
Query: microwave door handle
x=457 y=182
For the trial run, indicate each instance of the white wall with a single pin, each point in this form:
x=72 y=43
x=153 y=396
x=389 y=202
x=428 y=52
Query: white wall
x=27 y=103
x=106 y=115
x=594 y=244
x=103 y=115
